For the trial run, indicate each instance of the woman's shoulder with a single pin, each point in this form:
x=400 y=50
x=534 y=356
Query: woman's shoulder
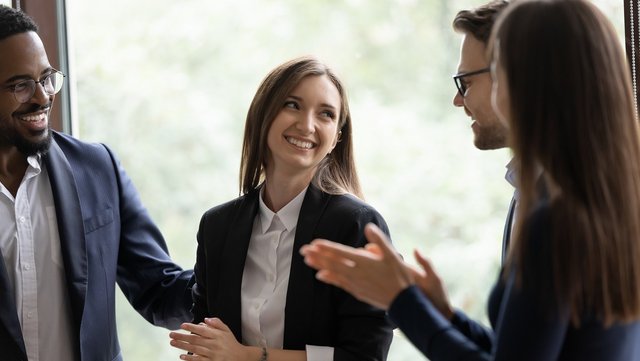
x=349 y=204
x=230 y=207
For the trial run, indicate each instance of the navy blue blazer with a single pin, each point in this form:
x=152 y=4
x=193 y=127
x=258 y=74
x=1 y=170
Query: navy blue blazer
x=522 y=328
x=315 y=313
x=106 y=236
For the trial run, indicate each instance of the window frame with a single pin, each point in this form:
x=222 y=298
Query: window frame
x=51 y=17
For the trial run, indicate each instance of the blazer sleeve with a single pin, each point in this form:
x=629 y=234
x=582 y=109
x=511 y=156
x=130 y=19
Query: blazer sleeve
x=156 y=287
x=363 y=331
x=479 y=333
x=524 y=330
x=202 y=268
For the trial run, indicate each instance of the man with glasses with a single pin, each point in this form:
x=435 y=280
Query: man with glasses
x=473 y=83
x=71 y=225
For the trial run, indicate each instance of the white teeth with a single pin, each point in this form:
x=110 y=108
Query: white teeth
x=300 y=143
x=34 y=117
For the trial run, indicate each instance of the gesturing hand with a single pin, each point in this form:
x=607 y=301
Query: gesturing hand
x=375 y=276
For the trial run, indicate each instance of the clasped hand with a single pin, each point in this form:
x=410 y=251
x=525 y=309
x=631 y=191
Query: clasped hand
x=211 y=340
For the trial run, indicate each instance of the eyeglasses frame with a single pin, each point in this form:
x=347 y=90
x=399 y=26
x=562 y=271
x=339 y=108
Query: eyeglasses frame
x=41 y=82
x=457 y=79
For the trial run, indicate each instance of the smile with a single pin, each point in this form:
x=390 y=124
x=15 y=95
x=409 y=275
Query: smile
x=300 y=143
x=33 y=118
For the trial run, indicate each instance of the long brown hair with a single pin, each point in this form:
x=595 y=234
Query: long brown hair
x=336 y=173
x=573 y=117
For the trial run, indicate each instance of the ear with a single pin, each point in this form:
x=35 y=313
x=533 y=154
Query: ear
x=336 y=140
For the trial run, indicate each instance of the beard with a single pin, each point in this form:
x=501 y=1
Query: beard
x=490 y=137
x=10 y=136
x=25 y=146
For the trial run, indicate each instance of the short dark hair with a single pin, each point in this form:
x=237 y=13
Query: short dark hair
x=479 y=21
x=14 y=21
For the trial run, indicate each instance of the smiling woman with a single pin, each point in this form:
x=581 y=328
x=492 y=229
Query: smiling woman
x=298 y=183
x=168 y=88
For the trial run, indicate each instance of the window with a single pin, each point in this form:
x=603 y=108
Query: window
x=167 y=85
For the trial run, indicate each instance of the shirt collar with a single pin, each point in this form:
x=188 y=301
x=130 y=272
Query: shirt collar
x=288 y=215
x=512 y=168
x=34 y=164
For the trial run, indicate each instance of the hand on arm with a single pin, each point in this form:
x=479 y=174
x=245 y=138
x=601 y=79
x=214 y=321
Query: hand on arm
x=375 y=277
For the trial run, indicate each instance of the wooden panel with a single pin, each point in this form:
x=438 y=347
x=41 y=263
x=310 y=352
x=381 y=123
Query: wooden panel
x=44 y=14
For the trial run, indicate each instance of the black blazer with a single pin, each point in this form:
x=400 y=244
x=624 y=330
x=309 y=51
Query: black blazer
x=315 y=313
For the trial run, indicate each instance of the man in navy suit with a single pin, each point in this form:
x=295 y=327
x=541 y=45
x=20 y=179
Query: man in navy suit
x=71 y=225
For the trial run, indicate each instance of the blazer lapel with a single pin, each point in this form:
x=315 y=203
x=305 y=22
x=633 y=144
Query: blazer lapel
x=9 y=314
x=70 y=226
x=506 y=235
x=300 y=292
x=228 y=297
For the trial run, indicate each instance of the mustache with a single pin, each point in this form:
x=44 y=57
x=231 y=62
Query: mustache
x=35 y=108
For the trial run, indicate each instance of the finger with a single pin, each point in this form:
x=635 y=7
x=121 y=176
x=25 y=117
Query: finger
x=324 y=245
x=424 y=263
x=217 y=324
x=321 y=258
x=373 y=248
x=188 y=347
x=377 y=237
x=192 y=358
x=335 y=250
x=201 y=329
x=195 y=357
x=185 y=337
x=415 y=270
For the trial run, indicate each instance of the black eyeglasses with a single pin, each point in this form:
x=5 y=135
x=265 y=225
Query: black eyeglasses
x=462 y=88
x=24 y=90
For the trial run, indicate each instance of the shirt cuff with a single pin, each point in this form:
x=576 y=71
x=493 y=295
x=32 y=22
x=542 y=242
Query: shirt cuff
x=319 y=353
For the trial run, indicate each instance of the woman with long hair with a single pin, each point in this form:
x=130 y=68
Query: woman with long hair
x=570 y=289
x=254 y=297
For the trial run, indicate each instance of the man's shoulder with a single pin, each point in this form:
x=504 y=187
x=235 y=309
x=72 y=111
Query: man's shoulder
x=69 y=141
x=76 y=148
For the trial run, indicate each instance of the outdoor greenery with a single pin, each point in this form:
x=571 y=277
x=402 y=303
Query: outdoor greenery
x=167 y=85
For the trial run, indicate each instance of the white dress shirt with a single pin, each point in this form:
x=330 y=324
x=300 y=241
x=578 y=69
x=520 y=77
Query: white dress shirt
x=30 y=246
x=511 y=177
x=266 y=278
